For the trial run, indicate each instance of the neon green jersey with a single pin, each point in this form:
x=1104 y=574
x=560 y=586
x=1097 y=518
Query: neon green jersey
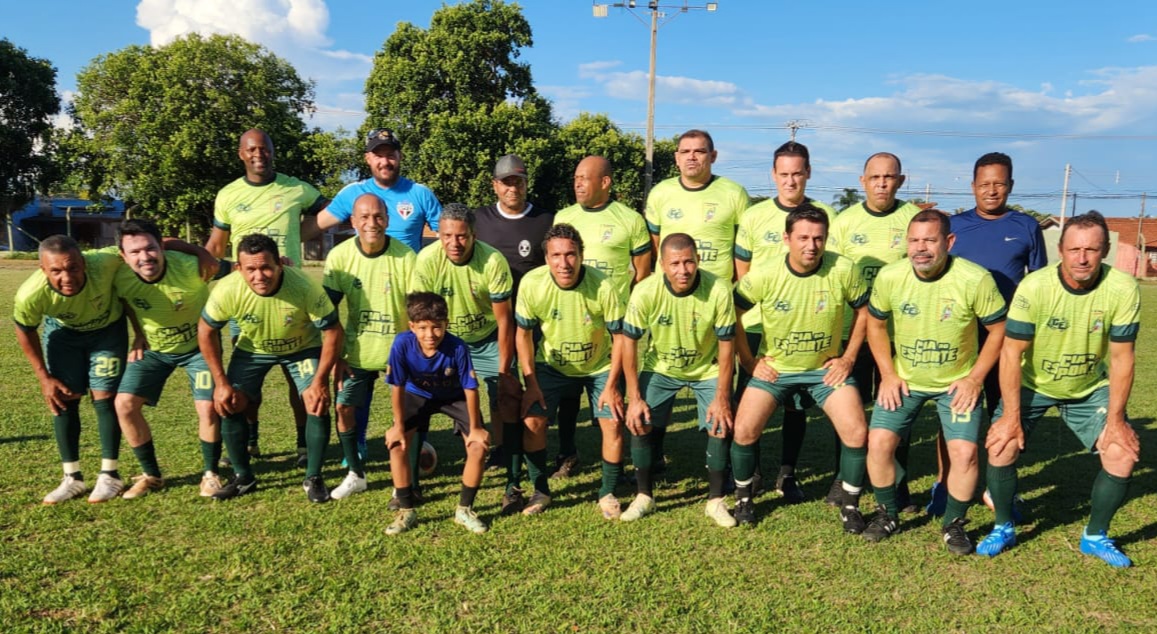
x=685 y=329
x=709 y=214
x=803 y=314
x=470 y=289
x=375 y=287
x=280 y=324
x=612 y=235
x=168 y=309
x=1070 y=329
x=872 y=239
x=935 y=320
x=273 y=209
x=576 y=322
x=93 y=308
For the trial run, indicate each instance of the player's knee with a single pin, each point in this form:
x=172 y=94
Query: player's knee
x=963 y=454
x=1004 y=458
x=1117 y=462
x=882 y=443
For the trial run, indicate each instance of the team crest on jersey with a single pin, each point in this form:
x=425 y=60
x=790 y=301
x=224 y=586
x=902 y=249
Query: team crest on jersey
x=909 y=309
x=524 y=248
x=946 y=308
x=781 y=306
x=178 y=300
x=446 y=291
x=1057 y=323
x=772 y=237
x=694 y=320
x=607 y=232
x=821 y=301
x=587 y=319
x=449 y=372
x=665 y=320
x=859 y=238
x=555 y=314
x=709 y=209
x=897 y=237
x=289 y=320
x=277 y=203
x=405 y=209
x=674 y=214
x=1097 y=321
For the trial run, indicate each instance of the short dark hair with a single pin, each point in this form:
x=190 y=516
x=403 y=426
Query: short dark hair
x=1091 y=218
x=58 y=244
x=697 y=134
x=899 y=166
x=934 y=215
x=993 y=158
x=791 y=148
x=677 y=242
x=137 y=227
x=808 y=212
x=565 y=232
x=426 y=306
x=255 y=243
x=460 y=212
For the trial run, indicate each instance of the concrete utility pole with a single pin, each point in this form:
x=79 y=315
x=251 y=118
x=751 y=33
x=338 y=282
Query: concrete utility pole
x=1141 y=267
x=1065 y=193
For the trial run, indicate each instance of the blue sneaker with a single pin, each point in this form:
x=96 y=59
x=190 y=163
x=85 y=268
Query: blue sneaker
x=939 y=501
x=1000 y=539
x=1101 y=546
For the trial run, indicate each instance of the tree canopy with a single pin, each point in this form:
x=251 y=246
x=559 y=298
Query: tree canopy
x=28 y=102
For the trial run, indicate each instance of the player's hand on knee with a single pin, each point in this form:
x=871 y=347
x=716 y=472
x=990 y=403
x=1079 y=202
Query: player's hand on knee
x=56 y=394
x=1004 y=433
x=316 y=399
x=763 y=370
x=610 y=398
x=479 y=436
x=719 y=420
x=838 y=369
x=1120 y=433
x=891 y=392
x=638 y=416
x=530 y=396
x=396 y=437
x=965 y=394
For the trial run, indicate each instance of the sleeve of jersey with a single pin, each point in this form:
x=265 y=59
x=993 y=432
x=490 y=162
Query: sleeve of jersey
x=315 y=201
x=221 y=215
x=1039 y=258
x=879 y=305
x=465 y=367
x=215 y=313
x=1021 y=323
x=332 y=280
x=990 y=307
x=27 y=314
x=321 y=310
x=641 y=241
x=743 y=246
x=654 y=225
x=613 y=307
x=857 y=290
x=1126 y=321
x=635 y=320
x=522 y=313
x=342 y=205
x=744 y=295
x=501 y=282
x=433 y=211
x=725 y=317
x=395 y=365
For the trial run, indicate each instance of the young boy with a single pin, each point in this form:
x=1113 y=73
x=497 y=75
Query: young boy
x=429 y=372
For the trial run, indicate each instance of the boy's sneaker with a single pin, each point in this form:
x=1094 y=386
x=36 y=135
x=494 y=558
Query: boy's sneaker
x=210 y=484
x=69 y=488
x=315 y=489
x=513 y=502
x=236 y=487
x=107 y=488
x=1103 y=548
x=609 y=505
x=881 y=526
x=835 y=496
x=468 y=518
x=744 y=513
x=415 y=495
x=640 y=506
x=939 y=502
x=1017 y=516
x=956 y=539
x=352 y=484
x=852 y=519
x=536 y=504
x=717 y=510
x=405 y=520
x=789 y=489
x=142 y=485
x=567 y=467
x=1000 y=539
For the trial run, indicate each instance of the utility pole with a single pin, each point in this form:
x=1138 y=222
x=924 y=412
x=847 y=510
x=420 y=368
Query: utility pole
x=1141 y=268
x=1065 y=193
x=794 y=125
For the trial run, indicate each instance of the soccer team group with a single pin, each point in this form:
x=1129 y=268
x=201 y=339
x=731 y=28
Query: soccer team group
x=785 y=304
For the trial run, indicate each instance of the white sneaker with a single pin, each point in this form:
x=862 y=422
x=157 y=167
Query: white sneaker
x=353 y=483
x=717 y=510
x=107 y=488
x=640 y=506
x=69 y=488
x=210 y=484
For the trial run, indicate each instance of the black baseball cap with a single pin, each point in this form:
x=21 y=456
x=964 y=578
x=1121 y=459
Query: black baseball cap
x=382 y=136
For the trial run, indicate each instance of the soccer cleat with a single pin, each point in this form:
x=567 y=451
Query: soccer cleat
x=210 y=484
x=939 y=502
x=415 y=495
x=513 y=501
x=536 y=504
x=107 y=488
x=1103 y=548
x=567 y=467
x=315 y=489
x=835 y=496
x=640 y=506
x=956 y=538
x=788 y=489
x=236 y=487
x=744 y=513
x=609 y=505
x=224 y=462
x=716 y=509
x=466 y=516
x=69 y=488
x=881 y=526
x=852 y=519
x=405 y=520
x=302 y=457
x=352 y=484
x=142 y=485
x=757 y=487
x=904 y=499
x=1000 y=539
x=1017 y=516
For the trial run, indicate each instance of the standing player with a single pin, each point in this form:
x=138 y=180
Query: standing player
x=1069 y=343
x=615 y=242
x=580 y=312
x=691 y=318
x=758 y=243
x=430 y=373
x=372 y=271
x=932 y=302
x=801 y=300
x=286 y=319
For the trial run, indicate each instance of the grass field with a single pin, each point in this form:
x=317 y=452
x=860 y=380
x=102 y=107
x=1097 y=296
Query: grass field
x=272 y=562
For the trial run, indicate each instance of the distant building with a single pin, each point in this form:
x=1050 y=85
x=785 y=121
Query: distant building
x=1133 y=247
x=91 y=223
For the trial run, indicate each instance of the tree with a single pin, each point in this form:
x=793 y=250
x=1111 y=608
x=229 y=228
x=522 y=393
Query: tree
x=160 y=125
x=28 y=102
x=1039 y=215
x=847 y=198
x=334 y=159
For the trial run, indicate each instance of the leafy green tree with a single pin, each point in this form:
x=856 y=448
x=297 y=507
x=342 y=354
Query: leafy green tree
x=334 y=159
x=847 y=198
x=160 y=125
x=595 y=134
x=1039 y=215
x=28 y=101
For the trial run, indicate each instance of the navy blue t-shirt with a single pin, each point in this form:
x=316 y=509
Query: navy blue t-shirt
x=443 y=376
x=1010 y=246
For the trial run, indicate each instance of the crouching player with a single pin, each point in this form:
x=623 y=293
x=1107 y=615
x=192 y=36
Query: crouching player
x=430 y=372
x=691 y=317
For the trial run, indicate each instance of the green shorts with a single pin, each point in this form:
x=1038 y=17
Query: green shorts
x=800 y=390
x=86 y=360
x=354 y=389
x=247 y=370
x=556 y=386
x=955 y=427
x=659 y=391
x=484 y=356
x=146 y=378
x=743 y=378
x=1085 y=416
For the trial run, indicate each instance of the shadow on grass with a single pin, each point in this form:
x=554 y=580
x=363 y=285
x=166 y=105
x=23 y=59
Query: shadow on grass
x=18 y=439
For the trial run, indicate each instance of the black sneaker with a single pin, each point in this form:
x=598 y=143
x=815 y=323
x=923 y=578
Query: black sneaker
x=396 y=505
x=567 y=467
x=757 y=486
x=956 y=539
x=302 y=457
x=835 y=496
x=315 y=489
x=744 y=513
x=852 y=519
x=513 y=501
x=881 y=526
x=789 y=489
x=904 y=499
x=236 y=487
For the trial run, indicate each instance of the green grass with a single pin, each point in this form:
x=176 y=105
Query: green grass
x=273 y=562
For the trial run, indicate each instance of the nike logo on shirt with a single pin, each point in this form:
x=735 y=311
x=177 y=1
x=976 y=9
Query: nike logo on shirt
x=1009 y=238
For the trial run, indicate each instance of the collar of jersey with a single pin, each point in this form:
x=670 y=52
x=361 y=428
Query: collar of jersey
x=358 y=245
x=82 y=286
x=696 y=189
x=787 y=263
x=775 y=199
x=473 y=252
x=252 y=184
x=880 y=214
x=1081 y=291
x=275 y=291
x=519 y=216
x=599 y=208
x=582 y=274
x=936 y=278
x=694 y=286
x=160 y=277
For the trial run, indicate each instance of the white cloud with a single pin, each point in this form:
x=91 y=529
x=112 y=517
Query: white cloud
x=595 y=69
x=668 y=88
x=1141 y=37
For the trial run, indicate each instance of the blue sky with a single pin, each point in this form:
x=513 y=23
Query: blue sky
x=939 y=84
